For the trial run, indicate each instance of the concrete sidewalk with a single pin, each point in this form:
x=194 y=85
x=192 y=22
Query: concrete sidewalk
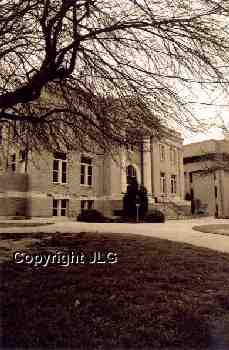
x=174 y=230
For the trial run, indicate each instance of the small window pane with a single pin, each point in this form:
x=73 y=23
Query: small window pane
x=82 y=179
x=64 y=166
x=64 y=178
x=55 y=207
x=86 y=160
x=82 y=204
x=90 y=204
x=55 y=176
x=90 y=170
x=1 y=133
x=82 y=170
x=63 y=203
x=89 y=180
x=60 y=155
x=55 y=164
x=63 y=212
x=55 y=203
x=64 y=172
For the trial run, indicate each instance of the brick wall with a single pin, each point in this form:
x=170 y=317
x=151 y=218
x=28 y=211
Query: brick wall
x=10 y=181
x=13 y=189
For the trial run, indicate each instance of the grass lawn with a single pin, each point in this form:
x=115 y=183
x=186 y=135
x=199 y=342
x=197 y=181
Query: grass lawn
x=221 y=229
x=24 y=224
x=159 y=295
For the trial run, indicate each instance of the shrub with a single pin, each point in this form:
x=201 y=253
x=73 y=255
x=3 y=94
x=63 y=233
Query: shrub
x=135 y=195
x=92 y=215
x=188 y=197
x=155 y=216
x=129 y=201
x=143 y=201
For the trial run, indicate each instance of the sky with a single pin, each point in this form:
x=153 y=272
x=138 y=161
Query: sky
x=211 y=107
x=213 y=133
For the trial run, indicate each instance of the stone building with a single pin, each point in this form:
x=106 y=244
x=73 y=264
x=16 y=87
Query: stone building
x=61 y=184
x=207 y=175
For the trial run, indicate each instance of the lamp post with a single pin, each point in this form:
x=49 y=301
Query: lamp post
x=138 y=203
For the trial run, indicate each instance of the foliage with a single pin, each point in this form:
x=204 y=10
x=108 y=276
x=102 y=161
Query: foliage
x=144 y=202
x=92 y=215
x=77 y=72
x=129 y=201
x=135 y=195
x=155 y=216
x=188 y=196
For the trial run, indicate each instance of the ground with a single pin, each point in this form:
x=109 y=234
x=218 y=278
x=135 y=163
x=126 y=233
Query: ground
x=158 y=295
x=220 y=229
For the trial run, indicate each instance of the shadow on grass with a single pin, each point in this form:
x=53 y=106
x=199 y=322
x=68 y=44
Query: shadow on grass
x=159 y=295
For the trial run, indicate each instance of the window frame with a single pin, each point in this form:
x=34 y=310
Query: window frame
x=163 y=188
x=59 y=170
x=59 y=208
x=86 y=171
x=130 y=147
x=173 y=183
x=1 y=134
x=86 y=204
x=173 y=155
x=13 y=162
x=131 y=175
x=162 y=152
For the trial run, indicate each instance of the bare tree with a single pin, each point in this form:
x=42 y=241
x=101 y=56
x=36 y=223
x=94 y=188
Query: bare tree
x=76 y=71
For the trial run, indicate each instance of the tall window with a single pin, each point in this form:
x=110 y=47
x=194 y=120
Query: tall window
x=173 y=184
x=13 y=162
x=1 y=133
x=86 y=171
x=173 y=155
x=86 y=204
x=60 y=207
x=14 y=131
x=130 y=147
x=162 y=183
x=162 y=152
x=23 y=155
x=131 y=174
x=60 y=168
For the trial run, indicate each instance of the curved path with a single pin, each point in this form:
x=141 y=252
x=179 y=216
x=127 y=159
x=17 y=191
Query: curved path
x=174 y=230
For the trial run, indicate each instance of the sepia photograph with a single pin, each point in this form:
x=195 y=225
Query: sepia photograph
x=114 y=174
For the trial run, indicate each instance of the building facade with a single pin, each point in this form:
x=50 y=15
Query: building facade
x=62 y=184
x=207 y=175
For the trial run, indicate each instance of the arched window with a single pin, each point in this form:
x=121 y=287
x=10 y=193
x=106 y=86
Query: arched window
x=131 y=174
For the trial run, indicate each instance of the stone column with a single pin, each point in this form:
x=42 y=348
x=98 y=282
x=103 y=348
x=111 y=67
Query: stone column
x=181 y=174
x=156 y=168
x=123 y=170
x=147 y=171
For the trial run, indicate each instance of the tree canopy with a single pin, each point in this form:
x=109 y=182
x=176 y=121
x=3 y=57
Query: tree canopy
x=78 y=70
